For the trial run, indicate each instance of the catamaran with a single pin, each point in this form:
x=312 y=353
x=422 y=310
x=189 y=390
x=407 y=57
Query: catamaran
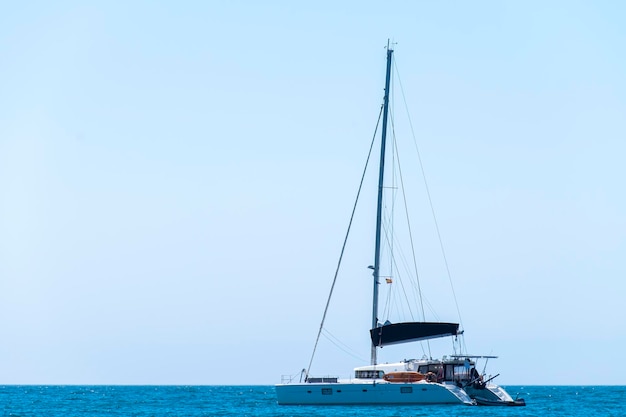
x=451 y=379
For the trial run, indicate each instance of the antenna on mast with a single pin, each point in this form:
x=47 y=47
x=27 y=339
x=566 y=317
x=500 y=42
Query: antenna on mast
x=390 y=44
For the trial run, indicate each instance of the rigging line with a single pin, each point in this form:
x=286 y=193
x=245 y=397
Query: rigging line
x=393 y=192
x=345 y=241
x=396 y=162
x=387 y=310
x=396 y=275
x=432 y=208
x=406 y=212
x=388 y=228
x=414 y=284
x=410 y=230
x=399 y=258
x=395 y=265
x=396 y=261
x=343 y=350
x=346 y=349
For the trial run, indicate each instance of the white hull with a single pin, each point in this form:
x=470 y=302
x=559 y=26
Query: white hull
x=379 y=392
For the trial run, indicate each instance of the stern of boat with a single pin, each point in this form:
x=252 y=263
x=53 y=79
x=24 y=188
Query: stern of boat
x=492 y=394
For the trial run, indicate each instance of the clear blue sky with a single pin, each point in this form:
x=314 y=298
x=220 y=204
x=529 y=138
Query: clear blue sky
x=176 y=179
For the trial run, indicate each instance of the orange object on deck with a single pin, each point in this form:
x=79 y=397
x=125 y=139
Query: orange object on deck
x=403 y=377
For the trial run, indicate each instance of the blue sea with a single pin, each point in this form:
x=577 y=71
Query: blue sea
x=140 y=401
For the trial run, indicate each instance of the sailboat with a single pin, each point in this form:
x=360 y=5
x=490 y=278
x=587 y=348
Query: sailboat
x=452 y=379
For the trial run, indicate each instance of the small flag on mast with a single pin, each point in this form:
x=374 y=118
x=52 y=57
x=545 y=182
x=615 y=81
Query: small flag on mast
x=388 y=280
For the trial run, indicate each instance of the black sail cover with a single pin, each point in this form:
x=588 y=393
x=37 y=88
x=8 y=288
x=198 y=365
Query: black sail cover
x=390 y=334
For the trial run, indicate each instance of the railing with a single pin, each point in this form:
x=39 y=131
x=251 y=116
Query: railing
x=288 y=379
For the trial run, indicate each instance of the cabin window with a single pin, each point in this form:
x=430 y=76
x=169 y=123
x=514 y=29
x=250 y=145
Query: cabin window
x=461 y=373
x=325 y=379
x=435 y=369
x=369 y=374
x=327 y=391
x=406 y=390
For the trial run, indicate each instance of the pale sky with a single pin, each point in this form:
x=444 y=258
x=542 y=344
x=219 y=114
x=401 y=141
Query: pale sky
x=176 y=179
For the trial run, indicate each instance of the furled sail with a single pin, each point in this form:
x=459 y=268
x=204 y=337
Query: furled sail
x=390 y=334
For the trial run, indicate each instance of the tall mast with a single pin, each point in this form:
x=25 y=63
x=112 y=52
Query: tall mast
x=381 y=175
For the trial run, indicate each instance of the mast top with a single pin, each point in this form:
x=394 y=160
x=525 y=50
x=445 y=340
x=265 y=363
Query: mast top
x=390 y=45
